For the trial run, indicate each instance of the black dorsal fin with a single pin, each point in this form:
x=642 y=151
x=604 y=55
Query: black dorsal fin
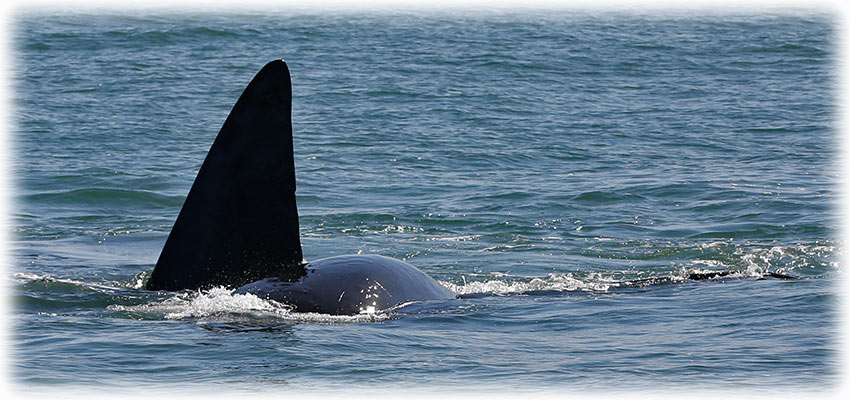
x=239 y=222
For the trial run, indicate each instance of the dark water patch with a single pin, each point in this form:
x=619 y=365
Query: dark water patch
x=107 y=197
x=597 y=197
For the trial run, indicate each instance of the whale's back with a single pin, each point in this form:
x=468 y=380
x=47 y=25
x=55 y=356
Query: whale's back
x=347 y=285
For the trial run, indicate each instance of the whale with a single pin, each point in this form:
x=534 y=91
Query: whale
x=238 y=226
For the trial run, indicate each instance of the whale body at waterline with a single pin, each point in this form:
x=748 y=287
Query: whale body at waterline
x=350 y=284
x=238 y=226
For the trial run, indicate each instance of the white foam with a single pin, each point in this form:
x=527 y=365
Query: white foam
x=565 y=282
x=221 y=303
x=23 y=277
x=757 y=263
x=139 y=280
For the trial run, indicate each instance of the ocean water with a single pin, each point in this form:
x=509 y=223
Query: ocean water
x=530 y=161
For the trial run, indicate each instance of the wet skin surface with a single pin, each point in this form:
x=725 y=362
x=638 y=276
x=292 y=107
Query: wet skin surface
x=349 y=285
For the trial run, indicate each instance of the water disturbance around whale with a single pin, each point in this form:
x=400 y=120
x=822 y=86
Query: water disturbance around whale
x=239 y=224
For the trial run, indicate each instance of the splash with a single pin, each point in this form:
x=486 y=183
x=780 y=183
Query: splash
x=756 y=265
x=221 y=304
x=564 y=282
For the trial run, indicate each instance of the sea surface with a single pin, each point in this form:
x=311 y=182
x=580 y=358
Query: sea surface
x=531 y=161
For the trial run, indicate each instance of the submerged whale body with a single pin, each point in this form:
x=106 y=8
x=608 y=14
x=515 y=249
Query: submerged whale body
x=239 y=228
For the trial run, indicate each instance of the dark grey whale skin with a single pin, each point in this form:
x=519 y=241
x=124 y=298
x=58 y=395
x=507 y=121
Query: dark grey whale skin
x=239 y=222
x=348 y=285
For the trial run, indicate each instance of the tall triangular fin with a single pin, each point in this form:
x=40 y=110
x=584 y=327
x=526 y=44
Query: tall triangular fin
x=239 y=222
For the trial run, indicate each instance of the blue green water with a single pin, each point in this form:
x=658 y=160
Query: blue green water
x=529 y=161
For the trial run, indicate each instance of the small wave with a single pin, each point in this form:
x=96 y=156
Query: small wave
x=514 y=195
x=107 y=197
x=29 y=279
x=381 y=229
x=598 y=282
x=597 y=197
x=219 y=303
x=798 y=258
x=359 y=224
x=565 y=282
x=459 y=238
